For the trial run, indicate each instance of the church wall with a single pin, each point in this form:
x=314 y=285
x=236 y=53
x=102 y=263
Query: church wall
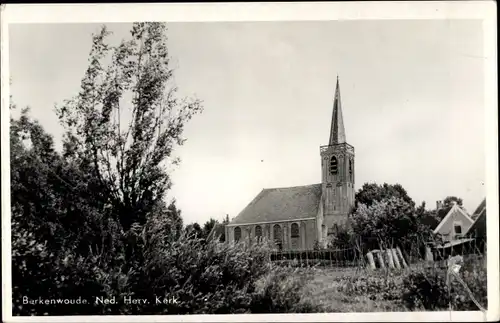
x=308 y=233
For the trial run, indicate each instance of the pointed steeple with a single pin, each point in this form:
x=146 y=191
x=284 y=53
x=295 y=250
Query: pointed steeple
x=337 y=131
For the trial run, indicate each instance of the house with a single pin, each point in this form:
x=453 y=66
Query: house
x=469 y=238
x=455 y=223
x=295 y=218
x=478 y=229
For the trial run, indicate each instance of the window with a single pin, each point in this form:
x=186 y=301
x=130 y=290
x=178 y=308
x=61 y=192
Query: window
x=333 y=165
x=350 y=169
x=295 y=230
x=278 y=239
x=258 y=232
x=237 y=234
x=458 y=229
x=295 y=235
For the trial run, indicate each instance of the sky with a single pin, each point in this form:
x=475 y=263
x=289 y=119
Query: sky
x=412 y=99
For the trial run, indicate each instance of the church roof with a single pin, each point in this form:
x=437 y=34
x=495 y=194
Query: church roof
x=337 y=131
x=281 y=204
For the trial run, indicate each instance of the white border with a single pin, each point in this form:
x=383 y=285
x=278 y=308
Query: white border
x=108 y=13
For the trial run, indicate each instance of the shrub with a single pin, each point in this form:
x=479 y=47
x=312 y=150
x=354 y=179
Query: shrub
x=427 y=289
x=279 y=291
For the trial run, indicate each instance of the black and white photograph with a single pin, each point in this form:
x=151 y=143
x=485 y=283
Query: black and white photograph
x=166 y=167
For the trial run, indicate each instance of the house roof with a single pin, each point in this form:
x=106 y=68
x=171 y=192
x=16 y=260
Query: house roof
x=480 y=219
x=452 y=210
x=282 y=204
x=479 y=210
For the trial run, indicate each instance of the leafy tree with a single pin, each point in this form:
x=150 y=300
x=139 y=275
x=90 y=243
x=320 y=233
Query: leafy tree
x=391 y=222
x=429 y=218
x=208 y=227
x=371 y=193
x=82 y=219
x=127 y=154
x=194 y=230
x=450 y=200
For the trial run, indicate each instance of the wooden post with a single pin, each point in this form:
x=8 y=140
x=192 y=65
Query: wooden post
x=428 y=255
x=369 y=255
x=403 y=261
x=396 y=258
x=390 y=261
x=380 y=259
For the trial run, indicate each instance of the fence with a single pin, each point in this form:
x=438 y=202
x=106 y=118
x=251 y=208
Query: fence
x=427 y=254
x=341 y=258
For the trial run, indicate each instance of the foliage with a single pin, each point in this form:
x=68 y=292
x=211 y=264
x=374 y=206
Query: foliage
x=450 y=200
x=126 y=154
x=371 y=193
x=427 y=289
x=388 y=223
x=279 y=291
x=429 y=218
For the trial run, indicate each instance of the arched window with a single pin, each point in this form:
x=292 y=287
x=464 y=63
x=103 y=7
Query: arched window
x=334 y=165
x=350 y=170
x=295 y=235
x=237 y=234
x=258 y=233
x=278 y=238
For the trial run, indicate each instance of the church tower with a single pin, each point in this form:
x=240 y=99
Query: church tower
x=337 y=168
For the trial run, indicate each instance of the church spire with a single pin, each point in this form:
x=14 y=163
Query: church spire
x=337 y=131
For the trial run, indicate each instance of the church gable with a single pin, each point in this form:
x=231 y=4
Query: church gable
x=282 y=204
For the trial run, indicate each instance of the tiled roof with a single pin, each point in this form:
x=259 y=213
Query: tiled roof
x=277 y=204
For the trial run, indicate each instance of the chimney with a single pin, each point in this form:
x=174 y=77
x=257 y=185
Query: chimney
x=439 y=205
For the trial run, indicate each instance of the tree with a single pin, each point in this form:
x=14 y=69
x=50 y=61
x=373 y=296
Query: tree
x=429 y=218
x=371 y=193
x=388 y=223
x=127 y=154
x=86 y=219
x=450 y=200
x=194 y=230
x=208 y=227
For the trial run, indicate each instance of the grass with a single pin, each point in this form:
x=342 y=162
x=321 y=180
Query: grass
x=364 y=290
x=325 y=289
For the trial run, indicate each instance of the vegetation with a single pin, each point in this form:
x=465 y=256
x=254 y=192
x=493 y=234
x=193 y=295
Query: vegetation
x=91 y=221
x=399 y=290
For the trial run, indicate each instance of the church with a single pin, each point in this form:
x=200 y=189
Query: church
x=295 y=218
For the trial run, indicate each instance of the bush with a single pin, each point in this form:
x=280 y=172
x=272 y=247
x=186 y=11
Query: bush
x=279 y=291
x=427 y=289
x=376 y=286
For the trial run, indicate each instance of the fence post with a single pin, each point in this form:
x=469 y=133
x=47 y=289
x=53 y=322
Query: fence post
x=403 y=261
x=369 y=255
x=330 y=255
x=389 y=258
x=380 y=259
x=395 y=257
